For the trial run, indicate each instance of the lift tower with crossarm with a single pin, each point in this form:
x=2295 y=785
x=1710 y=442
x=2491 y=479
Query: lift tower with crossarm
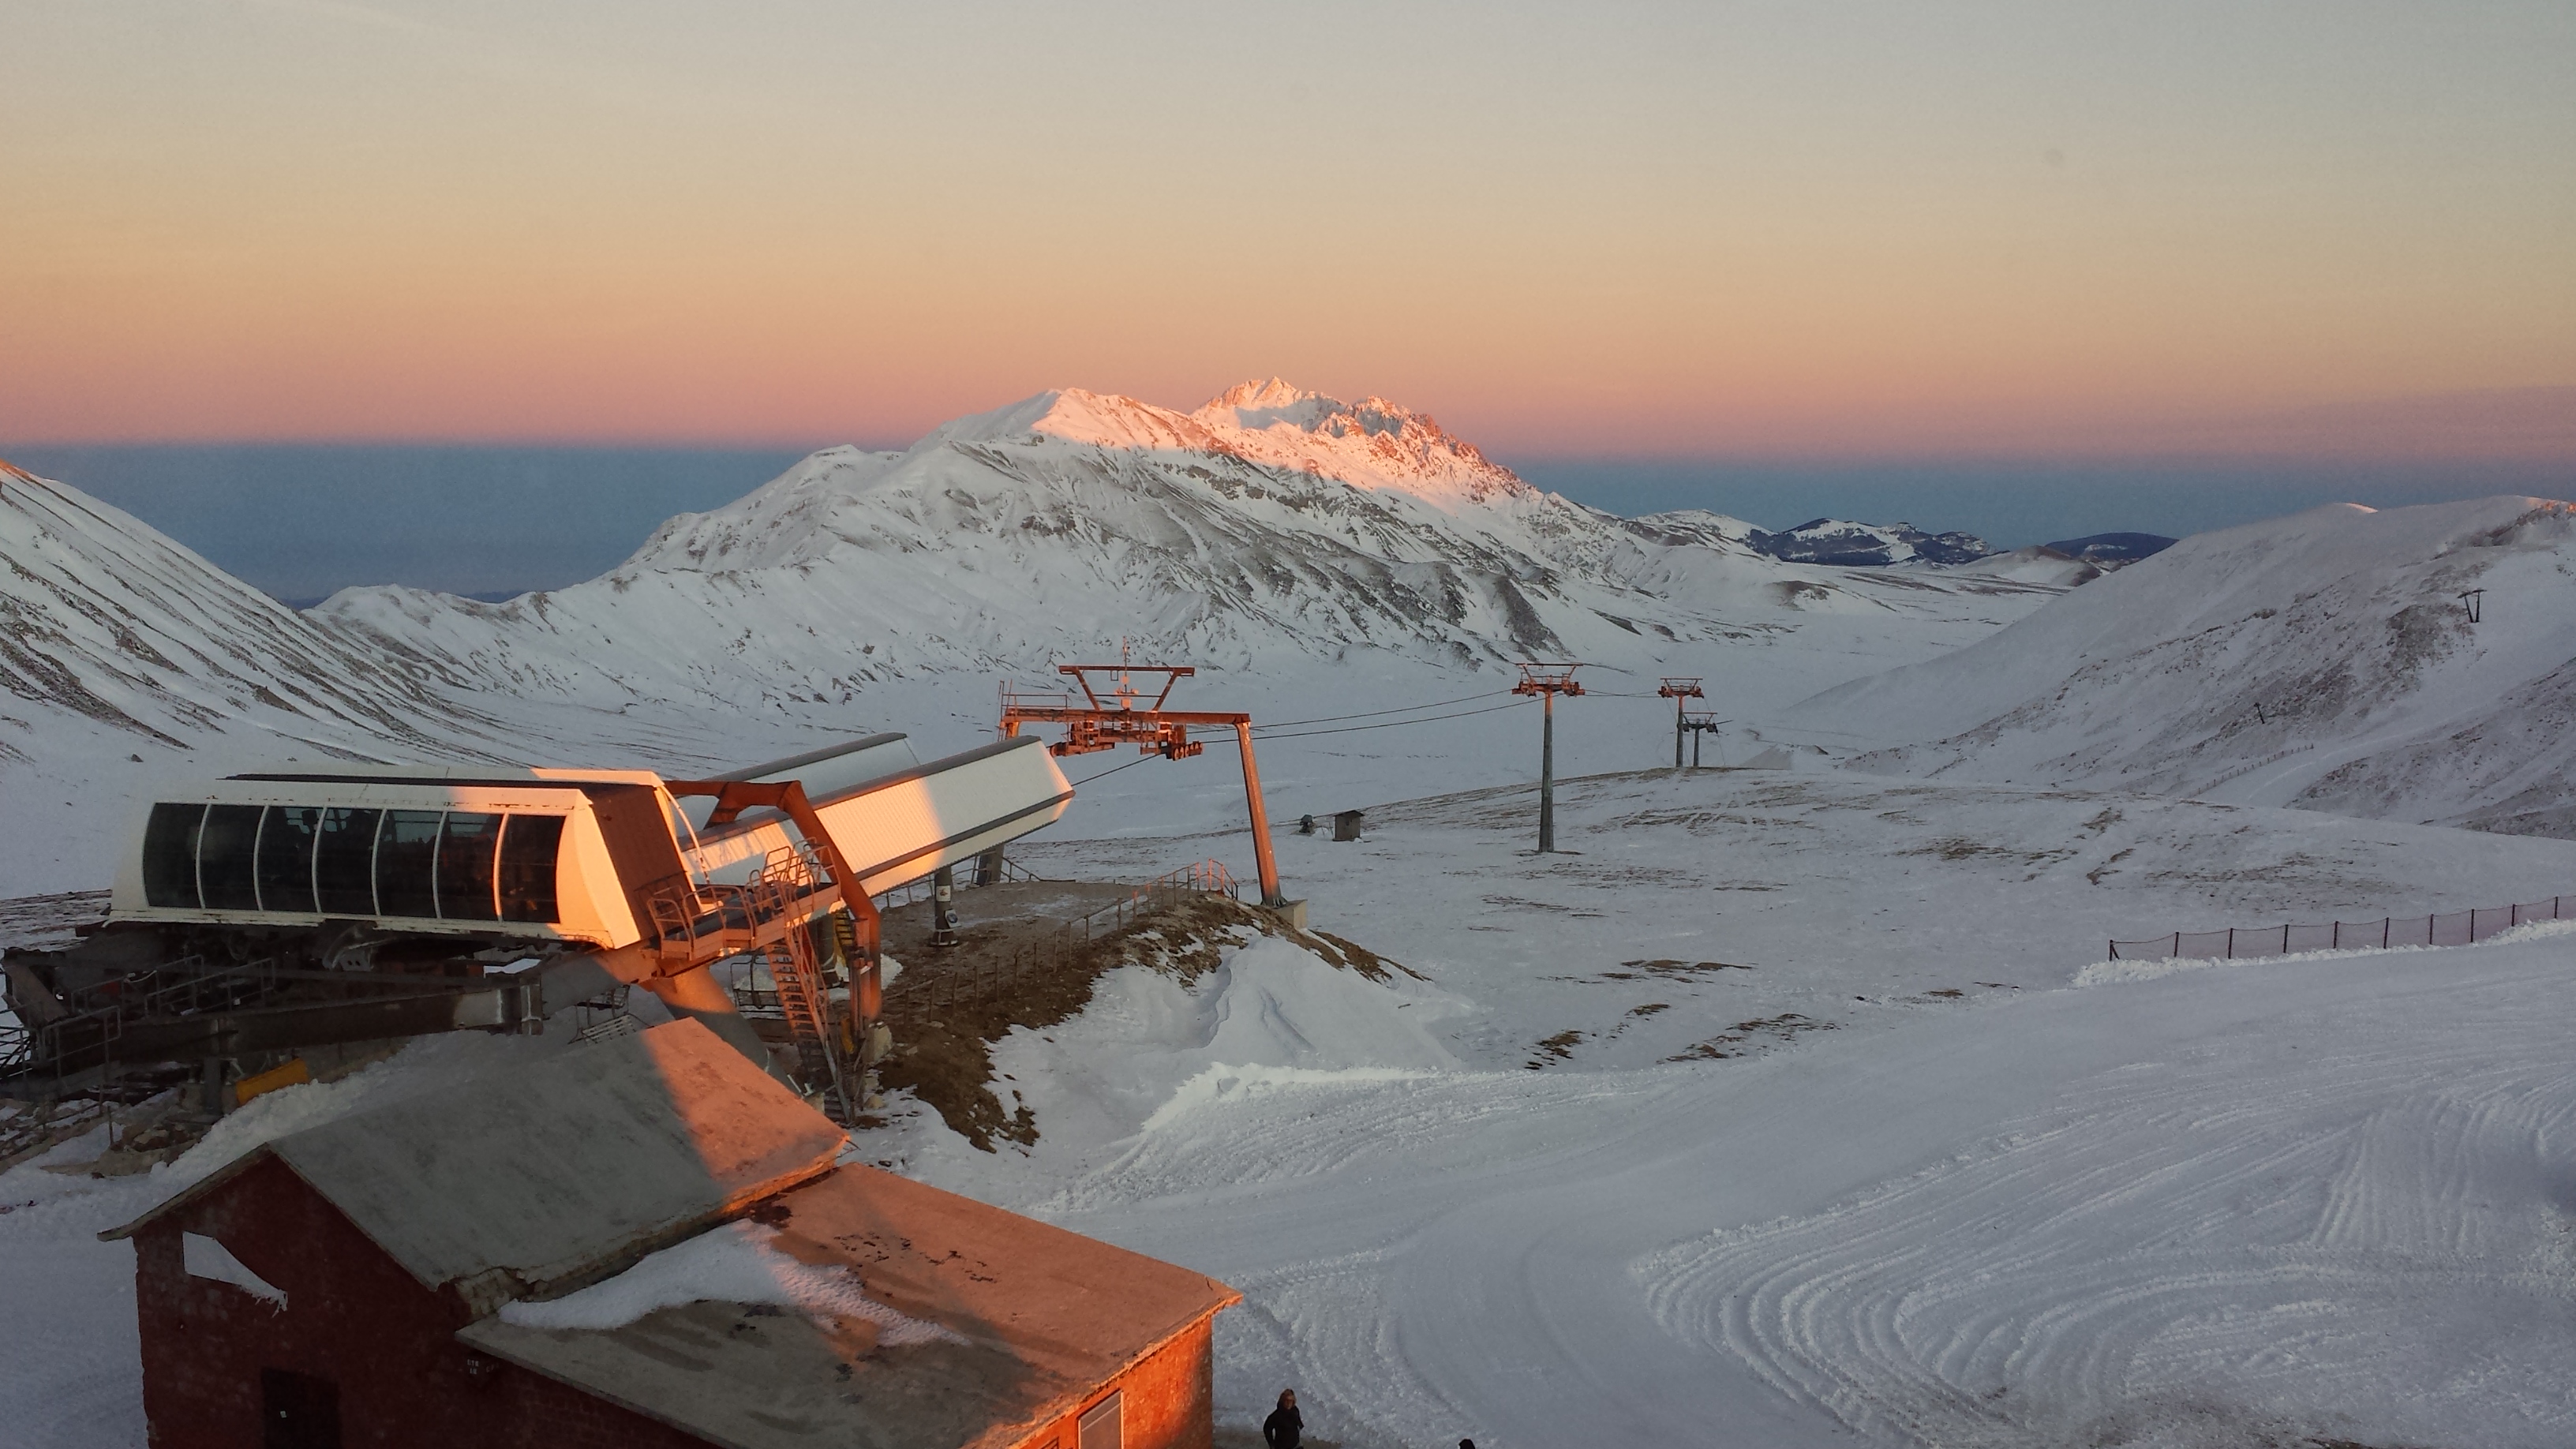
x=1547 y=681
x=1113 y=710
x=1681 y=692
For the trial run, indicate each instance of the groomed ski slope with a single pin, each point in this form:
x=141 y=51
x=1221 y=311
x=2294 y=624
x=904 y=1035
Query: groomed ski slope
x=2330 y=1198
x=1971 y=1187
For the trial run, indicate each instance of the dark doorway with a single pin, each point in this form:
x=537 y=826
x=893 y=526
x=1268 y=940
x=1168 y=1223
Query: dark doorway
x=298 y=1411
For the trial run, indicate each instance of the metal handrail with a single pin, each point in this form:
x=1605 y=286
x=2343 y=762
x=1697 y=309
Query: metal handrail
x=928 y=991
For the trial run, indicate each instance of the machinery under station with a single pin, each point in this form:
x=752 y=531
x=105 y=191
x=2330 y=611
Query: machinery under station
x=263 y=922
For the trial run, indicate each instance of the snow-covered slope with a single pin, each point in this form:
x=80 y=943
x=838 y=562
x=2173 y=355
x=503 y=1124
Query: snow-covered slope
x=2324 y=660
x=111 y=623
x=127 y=659
x=1271 y=528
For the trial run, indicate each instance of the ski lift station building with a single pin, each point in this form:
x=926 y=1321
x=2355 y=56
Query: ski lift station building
x=272 y=912
x=644 y=1243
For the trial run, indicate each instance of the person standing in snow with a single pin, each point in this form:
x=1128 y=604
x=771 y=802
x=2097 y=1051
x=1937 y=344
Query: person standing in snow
x=1285 y=1428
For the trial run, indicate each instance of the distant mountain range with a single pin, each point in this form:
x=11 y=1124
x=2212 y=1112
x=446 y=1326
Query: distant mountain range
x=1272 y=530
x=2320 y=660
x=1839 y=544
x=1269 y=527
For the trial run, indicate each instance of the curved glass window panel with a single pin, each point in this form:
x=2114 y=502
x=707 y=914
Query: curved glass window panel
x=170 y=856
x=344 y=855
x=407 y=863
x=286 y=857
x=529 y=849
x=226 y=852
x=465 y=851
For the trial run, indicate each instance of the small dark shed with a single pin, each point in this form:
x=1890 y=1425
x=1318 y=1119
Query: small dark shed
x=1346 y=824
x=353 y=1283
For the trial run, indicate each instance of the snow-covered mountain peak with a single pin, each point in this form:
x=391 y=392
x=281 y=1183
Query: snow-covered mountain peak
x=1372 y=443
x=1077 y=415
x=1261 y=404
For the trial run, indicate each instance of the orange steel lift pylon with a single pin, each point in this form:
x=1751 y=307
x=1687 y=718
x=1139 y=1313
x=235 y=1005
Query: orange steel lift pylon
x=1104 y=723
x=1547 y=681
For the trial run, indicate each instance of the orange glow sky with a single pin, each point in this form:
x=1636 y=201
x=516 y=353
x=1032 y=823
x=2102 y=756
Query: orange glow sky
x=1780 y=229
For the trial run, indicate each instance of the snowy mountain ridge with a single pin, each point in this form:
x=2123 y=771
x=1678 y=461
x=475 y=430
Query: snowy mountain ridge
x=2327 y=660
x=1274 y=533
x=1271 y=527
x=113 y=628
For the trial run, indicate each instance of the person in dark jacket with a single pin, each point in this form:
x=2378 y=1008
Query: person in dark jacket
x=1285 y=1428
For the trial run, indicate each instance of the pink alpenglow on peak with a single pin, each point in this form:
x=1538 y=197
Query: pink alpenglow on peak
x=1369 y=444
x=1372 y=444
x=1075 y=415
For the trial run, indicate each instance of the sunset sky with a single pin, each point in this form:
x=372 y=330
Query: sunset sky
x=1779 y=230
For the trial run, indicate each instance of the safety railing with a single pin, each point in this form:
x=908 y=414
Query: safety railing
x=695 y=923
x=921 y=887
x=918 y=994
x=42 y=1056
x=2456 y=928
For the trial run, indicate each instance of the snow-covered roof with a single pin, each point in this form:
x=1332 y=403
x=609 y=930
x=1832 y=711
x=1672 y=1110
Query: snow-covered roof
x=558 y=1173
x=885 y=1312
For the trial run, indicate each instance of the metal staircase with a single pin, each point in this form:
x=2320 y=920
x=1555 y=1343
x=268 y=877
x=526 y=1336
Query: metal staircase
x=796 y=974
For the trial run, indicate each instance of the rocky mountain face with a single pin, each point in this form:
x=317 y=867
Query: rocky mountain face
x=2336 y=659
x=2112 y=549
x=1840 y=544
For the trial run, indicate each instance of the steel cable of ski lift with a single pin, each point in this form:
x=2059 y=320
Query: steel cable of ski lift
x=1394 y=723
x=1311 y=734
x=1374 y=713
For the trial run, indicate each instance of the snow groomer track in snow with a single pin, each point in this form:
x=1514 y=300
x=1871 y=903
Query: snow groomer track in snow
x=264 y=913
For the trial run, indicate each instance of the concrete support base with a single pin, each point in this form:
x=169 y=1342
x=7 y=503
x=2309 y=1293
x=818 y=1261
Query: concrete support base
x=1291 y=912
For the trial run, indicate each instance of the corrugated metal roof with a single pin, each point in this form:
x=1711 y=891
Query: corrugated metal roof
x=1046 y=1316
x=563 y=1172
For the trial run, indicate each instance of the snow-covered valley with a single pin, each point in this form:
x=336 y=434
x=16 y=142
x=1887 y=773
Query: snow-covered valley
x=1789 y=1105
x=1684 y=1136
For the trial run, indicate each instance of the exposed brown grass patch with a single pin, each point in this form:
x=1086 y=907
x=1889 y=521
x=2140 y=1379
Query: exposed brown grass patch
x=944 y=1056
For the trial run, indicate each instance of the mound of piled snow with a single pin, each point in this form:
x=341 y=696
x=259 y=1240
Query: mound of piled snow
x=1274 y=1012
x=1150 y=1044
x=2324 y=660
